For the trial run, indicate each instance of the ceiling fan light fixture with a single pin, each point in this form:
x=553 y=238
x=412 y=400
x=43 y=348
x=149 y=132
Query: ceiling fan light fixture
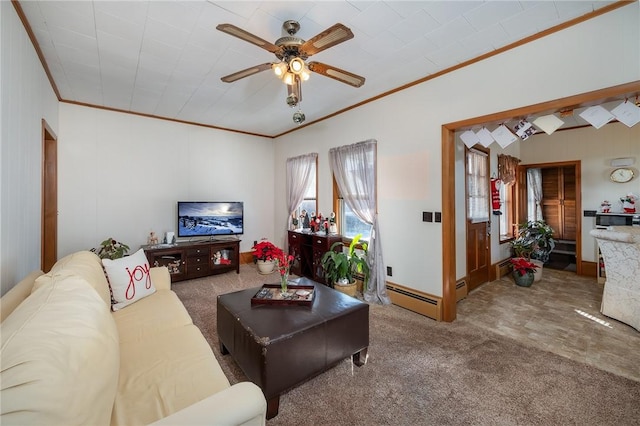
x=288 y=78
x=304 y=75
x=296 y=65
x=279 y=69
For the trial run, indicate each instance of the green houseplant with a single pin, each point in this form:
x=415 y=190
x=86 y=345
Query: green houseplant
x=341 y=267
x=534 y=241
x=111 y=249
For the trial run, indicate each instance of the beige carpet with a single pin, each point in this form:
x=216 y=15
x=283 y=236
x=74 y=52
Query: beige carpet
x=421 y=372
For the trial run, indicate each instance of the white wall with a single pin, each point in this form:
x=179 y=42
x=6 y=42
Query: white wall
x=121 y=176
x=599 y=53
x=26 y=98
x=594 y=148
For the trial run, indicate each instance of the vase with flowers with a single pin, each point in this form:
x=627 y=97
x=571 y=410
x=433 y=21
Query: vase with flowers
x=266 y=254
x=523 y=271
x=284 y=262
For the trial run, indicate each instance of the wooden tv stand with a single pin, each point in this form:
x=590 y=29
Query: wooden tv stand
x=196 y=259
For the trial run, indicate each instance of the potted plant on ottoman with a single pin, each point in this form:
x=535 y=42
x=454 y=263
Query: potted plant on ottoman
x=266 y=253
x=523 y=270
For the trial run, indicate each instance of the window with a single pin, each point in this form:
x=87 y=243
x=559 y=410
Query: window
x=350 y=224
x=507 y=172
x=310 y=200
x=477 y=186
x=355 y=171
x=302 y=187
x=507 y=196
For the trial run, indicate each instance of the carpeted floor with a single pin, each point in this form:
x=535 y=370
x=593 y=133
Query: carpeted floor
x=422 y=372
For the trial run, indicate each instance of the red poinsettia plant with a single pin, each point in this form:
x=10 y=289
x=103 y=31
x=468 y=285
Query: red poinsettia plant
x=523 y=266
x=266 y=250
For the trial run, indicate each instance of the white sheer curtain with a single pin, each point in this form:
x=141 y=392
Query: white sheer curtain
x=299 y=174
x=534 y=194
x=477 y=186
x=354 y=167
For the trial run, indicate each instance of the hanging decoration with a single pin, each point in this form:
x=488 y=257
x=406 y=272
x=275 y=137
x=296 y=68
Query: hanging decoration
x=496 y=203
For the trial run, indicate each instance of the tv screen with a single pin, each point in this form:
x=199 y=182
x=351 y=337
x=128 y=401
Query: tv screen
x=207 y=218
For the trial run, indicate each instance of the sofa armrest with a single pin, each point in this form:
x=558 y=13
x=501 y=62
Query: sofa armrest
x=161 y=277
x=17 y=294
x=241 y=404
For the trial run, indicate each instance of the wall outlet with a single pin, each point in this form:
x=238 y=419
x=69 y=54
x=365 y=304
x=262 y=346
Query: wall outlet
x=427 y=216
x=438 y=217
x=389 y=271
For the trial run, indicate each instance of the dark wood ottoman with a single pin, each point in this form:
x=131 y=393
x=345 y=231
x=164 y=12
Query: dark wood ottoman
x=279 y=347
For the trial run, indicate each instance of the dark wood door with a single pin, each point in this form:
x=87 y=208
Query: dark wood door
x=559 y=201
x=478 y=225
x=49 y=236
x=477 y=254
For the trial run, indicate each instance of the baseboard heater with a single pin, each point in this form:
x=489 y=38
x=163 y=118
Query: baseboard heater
x=416 y=301
x=503 y=268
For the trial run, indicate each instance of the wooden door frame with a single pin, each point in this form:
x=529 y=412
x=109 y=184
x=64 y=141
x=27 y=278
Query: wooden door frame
x=48 y=138
x=448 y=149
x=521 y=203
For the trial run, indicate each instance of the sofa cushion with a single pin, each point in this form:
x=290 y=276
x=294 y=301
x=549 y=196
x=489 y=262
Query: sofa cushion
x=84 y=264
x=163 y=374
x=154 y=314
x=129 y=279
x=60 y=357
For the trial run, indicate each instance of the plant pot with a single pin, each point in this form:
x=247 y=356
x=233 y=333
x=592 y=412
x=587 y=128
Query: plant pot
x=350 y=289
x=538 y=273
x=523 y=280
x=266 y=267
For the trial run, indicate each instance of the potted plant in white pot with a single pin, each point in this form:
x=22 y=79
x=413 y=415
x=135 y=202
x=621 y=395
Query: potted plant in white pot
x=534 y=243
x=265 y=254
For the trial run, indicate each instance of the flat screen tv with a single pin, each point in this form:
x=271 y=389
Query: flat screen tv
x=209 y=218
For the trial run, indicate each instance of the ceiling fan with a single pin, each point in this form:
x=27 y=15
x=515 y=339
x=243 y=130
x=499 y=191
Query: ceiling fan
x=293 y=52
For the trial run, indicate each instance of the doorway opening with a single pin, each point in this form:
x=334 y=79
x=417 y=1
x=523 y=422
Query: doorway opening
x=552 y=192
x=448 y=181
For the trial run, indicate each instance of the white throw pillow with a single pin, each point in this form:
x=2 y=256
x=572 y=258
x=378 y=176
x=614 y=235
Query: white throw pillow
x=129 y=279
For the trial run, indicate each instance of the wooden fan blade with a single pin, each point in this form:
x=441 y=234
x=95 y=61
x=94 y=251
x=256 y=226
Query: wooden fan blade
x=248 y=37
x=326 y=39
x=246 y=73
x=336 y=73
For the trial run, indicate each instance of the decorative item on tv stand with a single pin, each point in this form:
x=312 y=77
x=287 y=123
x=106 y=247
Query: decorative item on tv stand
x=534 y=243
x=340 y=268
x=266 y=253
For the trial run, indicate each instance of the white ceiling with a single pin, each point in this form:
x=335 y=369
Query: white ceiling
x=166 y=58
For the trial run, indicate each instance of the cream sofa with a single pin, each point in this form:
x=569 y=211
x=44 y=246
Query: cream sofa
x=67 y=359
x=620 y=248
